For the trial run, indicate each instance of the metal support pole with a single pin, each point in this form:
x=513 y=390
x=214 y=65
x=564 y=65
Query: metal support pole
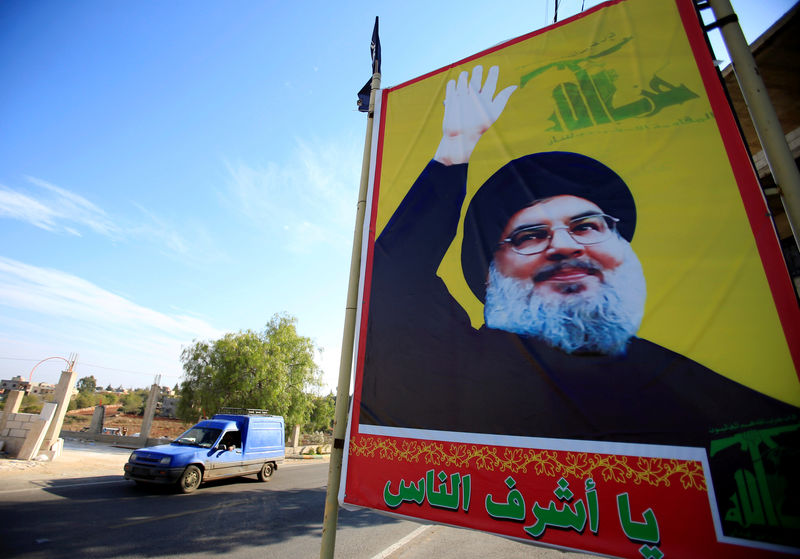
x=765 y=120
x=348 y=337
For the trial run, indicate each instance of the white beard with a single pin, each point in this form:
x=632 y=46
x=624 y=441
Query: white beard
x=599 y=322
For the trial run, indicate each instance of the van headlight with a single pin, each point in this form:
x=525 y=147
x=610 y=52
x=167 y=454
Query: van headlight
x=165 y=461
x=133 y=457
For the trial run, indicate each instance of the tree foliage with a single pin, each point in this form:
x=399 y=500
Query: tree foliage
x=87 y=385
x=272 y=370
x=86 y=400
x=108 y=398
x=31 y=403
x=134 y=402
x=322 y=412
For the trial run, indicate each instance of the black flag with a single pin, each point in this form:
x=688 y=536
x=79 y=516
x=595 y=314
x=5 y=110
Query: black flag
x=375 y=51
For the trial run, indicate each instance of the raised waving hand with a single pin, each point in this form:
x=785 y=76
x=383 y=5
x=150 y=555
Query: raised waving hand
x=469 y=111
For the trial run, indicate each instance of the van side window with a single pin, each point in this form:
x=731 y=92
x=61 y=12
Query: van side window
x=232 y=439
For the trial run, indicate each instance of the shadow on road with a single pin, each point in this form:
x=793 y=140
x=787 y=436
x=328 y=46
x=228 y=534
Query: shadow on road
x=116 y=518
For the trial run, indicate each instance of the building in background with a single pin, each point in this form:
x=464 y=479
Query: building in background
x=777 y=55
x=42 y=388
x=16 y=383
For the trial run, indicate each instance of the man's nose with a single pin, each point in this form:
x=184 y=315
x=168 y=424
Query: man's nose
x=562 y=244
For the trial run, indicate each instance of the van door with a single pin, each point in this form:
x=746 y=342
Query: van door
x=226 y=458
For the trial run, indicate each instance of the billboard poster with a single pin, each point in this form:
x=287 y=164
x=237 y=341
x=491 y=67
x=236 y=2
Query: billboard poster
x=576 y=328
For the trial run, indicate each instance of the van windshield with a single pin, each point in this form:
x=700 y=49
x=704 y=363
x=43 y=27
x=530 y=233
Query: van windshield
x=199 y=436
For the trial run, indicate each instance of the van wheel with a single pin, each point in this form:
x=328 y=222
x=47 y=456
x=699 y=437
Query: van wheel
x=190 y=480
x=266 y=472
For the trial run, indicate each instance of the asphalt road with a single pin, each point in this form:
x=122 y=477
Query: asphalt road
x=105 y=516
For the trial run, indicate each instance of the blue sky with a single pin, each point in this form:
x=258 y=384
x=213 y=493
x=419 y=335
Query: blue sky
x=172 y=171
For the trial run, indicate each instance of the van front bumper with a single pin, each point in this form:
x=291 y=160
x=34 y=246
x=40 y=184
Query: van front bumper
x=152 y=474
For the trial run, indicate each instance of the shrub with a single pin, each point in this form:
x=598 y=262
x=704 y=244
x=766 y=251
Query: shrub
x=31 y=403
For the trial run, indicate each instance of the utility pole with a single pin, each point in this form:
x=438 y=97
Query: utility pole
x=348 y=337
x=765 y=120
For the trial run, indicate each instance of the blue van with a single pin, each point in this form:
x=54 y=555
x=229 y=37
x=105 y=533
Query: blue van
x=235 y=443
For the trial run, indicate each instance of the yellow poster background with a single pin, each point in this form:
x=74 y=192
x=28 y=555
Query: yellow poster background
x=708 y=296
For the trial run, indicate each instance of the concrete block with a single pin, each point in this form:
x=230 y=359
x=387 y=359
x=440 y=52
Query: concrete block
x=17 y=433
x=48 y=412
x=33 y=441
x=13 y=401
x=63 y=391
x=55 y=450
x=98 y=418
x=14 y=424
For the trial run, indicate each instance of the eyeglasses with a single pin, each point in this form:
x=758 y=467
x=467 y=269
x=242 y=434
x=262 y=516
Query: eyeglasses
x=586 y=230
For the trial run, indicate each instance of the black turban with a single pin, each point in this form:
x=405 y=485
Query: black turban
x=523 y=181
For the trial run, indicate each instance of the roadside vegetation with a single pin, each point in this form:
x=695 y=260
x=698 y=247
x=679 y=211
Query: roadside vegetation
x=272 y=370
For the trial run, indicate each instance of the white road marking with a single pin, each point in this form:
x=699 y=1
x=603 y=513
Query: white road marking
x=392 y=548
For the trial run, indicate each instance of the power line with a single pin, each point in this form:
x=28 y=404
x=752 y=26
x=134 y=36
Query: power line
x=84 y=364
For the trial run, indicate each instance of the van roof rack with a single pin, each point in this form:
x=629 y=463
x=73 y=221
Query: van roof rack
x=243 y=411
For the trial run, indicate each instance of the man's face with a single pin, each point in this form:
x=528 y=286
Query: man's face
x=565 y=266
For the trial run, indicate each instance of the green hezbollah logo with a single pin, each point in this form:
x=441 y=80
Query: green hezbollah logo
x=758 y=494
x=589 y=99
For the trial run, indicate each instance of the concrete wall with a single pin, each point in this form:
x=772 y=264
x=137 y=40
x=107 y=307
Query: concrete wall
x=150 y=410
x=136 y=442
x=17 y=427
x=64 y=390
x=26 y=435
x=117 y=440
x=13 y=402
x=35 y=437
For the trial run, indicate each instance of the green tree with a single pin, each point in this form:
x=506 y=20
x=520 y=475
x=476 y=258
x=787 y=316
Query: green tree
x=108 y=398
x=86 y=400
x=87 y=385
x=272 y=370
x=133 y=403
x=322 y=412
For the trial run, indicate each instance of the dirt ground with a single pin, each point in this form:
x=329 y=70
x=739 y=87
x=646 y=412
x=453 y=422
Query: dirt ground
x=162 y=426
x=79 y=459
